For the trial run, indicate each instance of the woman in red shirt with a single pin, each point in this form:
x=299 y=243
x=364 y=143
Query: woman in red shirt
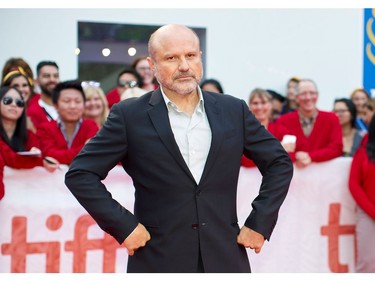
x=18 y=78
x=15 y=139
x=362 y=188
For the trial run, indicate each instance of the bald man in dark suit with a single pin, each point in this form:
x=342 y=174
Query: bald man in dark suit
x=182 y=147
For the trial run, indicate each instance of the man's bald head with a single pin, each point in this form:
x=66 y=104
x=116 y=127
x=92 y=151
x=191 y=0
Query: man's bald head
x=175 y=58
x=168 y=32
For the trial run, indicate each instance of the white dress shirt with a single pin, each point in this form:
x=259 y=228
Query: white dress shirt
x=49 y=109
x=192 y=134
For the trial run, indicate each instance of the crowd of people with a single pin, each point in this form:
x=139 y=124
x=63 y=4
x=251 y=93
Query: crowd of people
x=46 y=122
x=317 y=136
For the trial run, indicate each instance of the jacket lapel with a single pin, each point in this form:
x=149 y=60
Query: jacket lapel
x=215 y=119
x=159 y=118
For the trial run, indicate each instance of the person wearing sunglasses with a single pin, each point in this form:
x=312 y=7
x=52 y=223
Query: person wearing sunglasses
x=126 y=79
x=15 y=139
x=18 y=78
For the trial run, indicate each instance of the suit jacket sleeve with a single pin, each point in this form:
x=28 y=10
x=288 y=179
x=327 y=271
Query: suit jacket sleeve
x=84 y=177
x=276 y=167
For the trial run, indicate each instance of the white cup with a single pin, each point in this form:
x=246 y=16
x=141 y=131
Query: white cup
x=289 y=143
x=289 y=139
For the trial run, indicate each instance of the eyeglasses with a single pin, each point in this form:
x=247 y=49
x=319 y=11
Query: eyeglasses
x=9 y=100
x=85 y=84
x=340 y=111
x=304 y=94
x=124 y=83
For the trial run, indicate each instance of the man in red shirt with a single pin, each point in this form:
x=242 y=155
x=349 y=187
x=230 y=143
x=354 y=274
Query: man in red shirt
x=42 y=110
x=64 y=137
x=319 y=134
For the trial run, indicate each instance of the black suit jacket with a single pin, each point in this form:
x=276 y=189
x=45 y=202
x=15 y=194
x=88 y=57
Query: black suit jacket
x=182 y=217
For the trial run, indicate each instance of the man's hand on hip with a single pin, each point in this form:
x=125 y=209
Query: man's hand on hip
x=250 y=239
x=137 y=239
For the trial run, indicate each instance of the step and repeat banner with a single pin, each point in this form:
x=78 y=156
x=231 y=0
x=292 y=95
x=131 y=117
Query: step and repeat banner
x=44 y=229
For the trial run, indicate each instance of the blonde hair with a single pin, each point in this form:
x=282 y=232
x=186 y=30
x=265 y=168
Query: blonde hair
x=359 y=90
x=370 y=104
x=294 y=79
x=90 y=91
x=260 y=93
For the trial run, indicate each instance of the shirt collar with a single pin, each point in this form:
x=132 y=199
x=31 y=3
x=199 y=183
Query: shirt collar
x=302 y=117
x=62 y=124
x=170 y=104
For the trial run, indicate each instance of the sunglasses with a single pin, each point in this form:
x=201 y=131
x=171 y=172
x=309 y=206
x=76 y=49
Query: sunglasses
x=124 y=83
x=9 y=100
x=85 y=84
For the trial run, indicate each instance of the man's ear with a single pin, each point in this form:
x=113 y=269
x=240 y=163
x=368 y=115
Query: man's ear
x=151 y=63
